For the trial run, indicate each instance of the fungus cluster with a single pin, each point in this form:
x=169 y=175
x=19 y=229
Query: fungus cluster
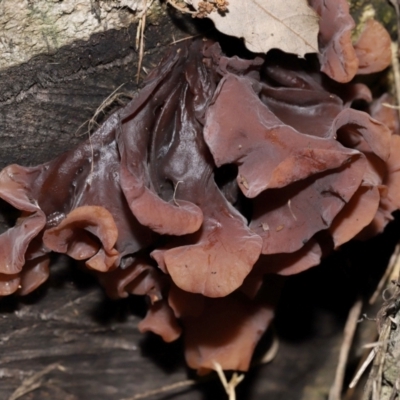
x=220 y=174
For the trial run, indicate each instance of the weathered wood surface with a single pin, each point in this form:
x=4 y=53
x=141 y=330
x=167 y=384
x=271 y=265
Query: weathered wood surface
x=43 y=102
x=29 y=28
x=94 y=350
x=88 y=347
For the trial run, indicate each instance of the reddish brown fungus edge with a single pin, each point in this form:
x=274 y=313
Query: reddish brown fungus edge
x=159 y=212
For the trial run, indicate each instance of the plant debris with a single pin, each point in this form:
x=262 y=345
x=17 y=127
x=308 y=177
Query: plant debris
x=291 y=26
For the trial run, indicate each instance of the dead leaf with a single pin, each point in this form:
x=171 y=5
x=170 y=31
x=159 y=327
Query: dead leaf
x=289 y=25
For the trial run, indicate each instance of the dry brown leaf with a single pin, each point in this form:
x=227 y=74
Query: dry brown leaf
x=289 y=25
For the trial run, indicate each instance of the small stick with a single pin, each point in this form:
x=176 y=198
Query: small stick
x=349 y=330
x=176 y=188
x=375 y=378
x=396 y=389
x=374 y=344
x=391 y=106
x=114 y=96
x=396 y=71
x=228 y=386
x=183 y=39
x=142 y=25
x=272 y=351
x=391 y=270
x=231 y=385
x=140 y=36
x=363 y=367
x=138 y=31
x=377 y=354
x=34 y=382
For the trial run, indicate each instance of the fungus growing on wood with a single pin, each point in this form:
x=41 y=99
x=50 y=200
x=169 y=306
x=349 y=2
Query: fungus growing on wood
x=373 y=48
x=337 y=55
x=222 y=171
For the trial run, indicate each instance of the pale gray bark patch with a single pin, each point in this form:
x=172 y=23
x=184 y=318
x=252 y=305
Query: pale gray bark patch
x=31 y=27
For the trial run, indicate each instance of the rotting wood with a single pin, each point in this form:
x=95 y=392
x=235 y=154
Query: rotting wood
x=35 y=27
x=43 y=104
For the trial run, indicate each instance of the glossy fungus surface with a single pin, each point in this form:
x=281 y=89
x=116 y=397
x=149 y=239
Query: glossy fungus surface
x=222 y=174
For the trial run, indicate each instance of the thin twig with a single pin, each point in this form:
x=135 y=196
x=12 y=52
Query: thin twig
x=140 y=39
x=230 y=387
x=391 y=106
x=396 y=389
x=108 y=101
x=114 y=96
x=375 y=378
x=363 y=367
x=34 y=382
x=396 y=71
x=379 y=347
x=349 y=330
x=376 y=394
x=374 y=344
x=272 y=351
x=176 y=188
x=391 y=270
x=183 y=39
x=138 y=31
x=141 y=47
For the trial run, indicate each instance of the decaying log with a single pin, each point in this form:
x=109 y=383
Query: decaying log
x=67 y=341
